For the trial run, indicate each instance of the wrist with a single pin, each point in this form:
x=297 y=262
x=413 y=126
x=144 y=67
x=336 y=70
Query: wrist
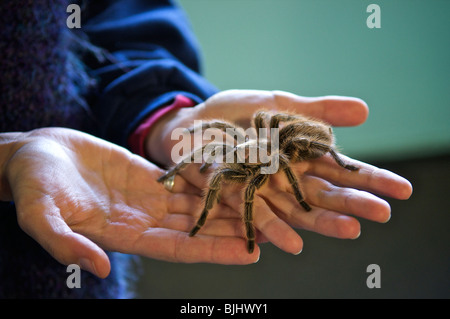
x=159 y=142
x=151 y=139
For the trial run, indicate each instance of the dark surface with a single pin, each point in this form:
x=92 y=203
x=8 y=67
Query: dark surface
x=412 y=250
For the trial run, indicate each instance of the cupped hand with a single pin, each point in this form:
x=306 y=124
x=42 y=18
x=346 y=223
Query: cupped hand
x=336 y=195
x=78 y=195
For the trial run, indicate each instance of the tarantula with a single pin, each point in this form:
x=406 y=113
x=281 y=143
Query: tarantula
x=299 y=139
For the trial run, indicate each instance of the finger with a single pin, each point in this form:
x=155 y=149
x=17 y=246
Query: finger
x=270 y=225
x=43 y=222
x=368 y=177
x=274 y=229
x=176 y=246
x=183 y=203
x=328 y=223
x=192 y=205
x=232 y=227
x=335 y=110
x=320 y=220
x=323 y=194
x=277 y=231
x=346 y=200
x=181 y=185
x=192 y=174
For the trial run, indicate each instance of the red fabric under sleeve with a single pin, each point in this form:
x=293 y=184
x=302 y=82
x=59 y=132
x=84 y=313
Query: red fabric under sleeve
x=136 y=141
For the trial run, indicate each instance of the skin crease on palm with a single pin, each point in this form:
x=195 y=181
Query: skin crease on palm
x=77 y=205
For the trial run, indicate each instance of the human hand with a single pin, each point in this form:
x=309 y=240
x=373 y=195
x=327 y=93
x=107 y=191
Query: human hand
x=334 y=193
x=77 y=195
x=238 y=106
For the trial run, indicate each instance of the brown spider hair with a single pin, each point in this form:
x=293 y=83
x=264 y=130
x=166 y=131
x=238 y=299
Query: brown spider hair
x=299 y=139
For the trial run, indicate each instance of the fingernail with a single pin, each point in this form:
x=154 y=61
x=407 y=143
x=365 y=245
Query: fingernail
x=88 y=265
x=357 y=236
x=298 y=253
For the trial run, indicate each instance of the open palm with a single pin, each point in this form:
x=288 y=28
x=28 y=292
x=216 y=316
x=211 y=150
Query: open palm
x=77 y=195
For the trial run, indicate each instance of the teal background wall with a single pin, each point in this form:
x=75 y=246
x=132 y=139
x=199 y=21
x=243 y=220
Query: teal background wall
x=324 y=47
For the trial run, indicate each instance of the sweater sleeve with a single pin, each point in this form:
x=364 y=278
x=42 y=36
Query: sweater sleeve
x=153 y=58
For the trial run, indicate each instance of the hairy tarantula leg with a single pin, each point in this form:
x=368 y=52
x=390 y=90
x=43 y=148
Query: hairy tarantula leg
x=211 y=197
x=259 y=120
x=277 y=118
x=226 y=149
x=336 y=156
x=294 y=183
x=213 y=193
x=187 y=160
x=338 y=160
x=173 y=171
x=248 y=218
x=254 y=184
x=181 y=165
x=208 y=161
x=221 y=125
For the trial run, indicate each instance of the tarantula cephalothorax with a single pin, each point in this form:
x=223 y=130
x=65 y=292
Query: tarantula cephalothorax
x=299 y=139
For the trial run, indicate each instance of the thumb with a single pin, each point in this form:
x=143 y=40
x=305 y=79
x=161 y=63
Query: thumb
x=336 y=110
x=239 y=106
x=67 y=247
